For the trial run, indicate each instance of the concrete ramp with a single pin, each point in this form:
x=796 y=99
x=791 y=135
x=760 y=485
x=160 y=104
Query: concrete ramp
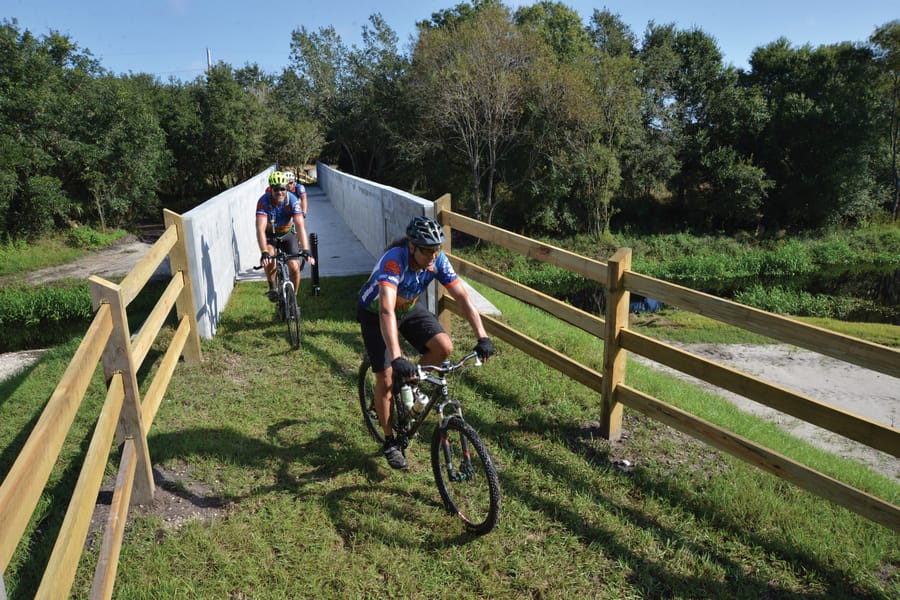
x=341 y=252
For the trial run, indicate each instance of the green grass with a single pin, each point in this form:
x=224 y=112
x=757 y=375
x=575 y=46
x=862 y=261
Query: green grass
x=310 y=509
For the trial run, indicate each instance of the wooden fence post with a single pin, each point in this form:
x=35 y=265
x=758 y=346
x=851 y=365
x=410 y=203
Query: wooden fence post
x=184 y=304
x=440 y=205
x=617 y=304
x=118 y=358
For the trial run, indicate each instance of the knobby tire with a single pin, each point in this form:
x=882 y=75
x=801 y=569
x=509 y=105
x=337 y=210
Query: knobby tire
x=473 y=494
x=292 y=316
x=279 y=285
x=366 y=386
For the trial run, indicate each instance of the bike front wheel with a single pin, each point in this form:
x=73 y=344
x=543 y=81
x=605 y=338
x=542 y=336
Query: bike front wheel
x=465 y=475
x=280 y=307
x=292 y=316
x=366 y=385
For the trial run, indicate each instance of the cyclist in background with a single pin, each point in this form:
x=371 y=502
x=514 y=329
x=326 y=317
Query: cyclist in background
x=388 y=307
x=280 y=226
x=299 y=190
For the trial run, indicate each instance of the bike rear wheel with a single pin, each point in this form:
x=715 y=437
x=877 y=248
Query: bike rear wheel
x=465 y=475
x=292 y=315
x=366 y=386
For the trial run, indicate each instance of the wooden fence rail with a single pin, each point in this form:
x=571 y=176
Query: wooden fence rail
x=618 y=278
x=123 y=418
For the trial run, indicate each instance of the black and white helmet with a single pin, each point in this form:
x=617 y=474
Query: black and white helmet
x=424 y=231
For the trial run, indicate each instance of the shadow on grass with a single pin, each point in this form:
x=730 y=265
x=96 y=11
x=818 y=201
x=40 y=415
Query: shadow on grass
x=329 y=455
x=648 y=575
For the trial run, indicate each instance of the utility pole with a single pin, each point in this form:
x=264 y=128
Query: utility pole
x=208 y=62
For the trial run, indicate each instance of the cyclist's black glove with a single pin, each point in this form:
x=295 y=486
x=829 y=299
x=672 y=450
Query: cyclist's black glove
x=484 y=348
x=403 y=369
x=264 y=257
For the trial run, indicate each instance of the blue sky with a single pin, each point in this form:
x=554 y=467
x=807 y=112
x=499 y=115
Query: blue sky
x=170 y=38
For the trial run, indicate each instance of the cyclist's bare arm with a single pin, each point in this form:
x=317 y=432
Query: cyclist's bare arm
x=387 y=318
x=458 y=293
x=302 y=237
x=262 y=222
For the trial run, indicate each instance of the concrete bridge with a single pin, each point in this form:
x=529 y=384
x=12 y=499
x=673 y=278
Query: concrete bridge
x=353 y=219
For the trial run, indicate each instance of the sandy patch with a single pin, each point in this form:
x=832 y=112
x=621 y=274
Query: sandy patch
x=866 y=393
x=13 y=362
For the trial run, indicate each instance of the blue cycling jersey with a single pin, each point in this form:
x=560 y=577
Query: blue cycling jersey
x=280 y=216
x=393 y=269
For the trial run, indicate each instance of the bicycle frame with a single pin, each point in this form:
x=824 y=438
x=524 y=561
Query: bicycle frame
x=287 y=307
x=283 y=274
x=407 y=426
x=463 y=469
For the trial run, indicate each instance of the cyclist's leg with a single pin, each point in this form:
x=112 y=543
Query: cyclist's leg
x=270 y=268
x=423 y=330
x=377 y=351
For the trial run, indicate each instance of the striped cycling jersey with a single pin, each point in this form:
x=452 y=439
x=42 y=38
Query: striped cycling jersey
x=280 y=216
x=393 y=269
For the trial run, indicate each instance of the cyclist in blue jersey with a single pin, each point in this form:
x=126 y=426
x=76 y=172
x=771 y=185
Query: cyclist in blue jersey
x=280 y=225
x=388 y=306
x=298 y=189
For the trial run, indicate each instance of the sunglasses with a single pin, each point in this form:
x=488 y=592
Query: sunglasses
x=279 y=188
x=428 y=251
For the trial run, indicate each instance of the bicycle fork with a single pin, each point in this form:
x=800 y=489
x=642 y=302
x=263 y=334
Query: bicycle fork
x=465 y=471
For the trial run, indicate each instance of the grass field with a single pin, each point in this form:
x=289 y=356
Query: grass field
x=304 y=505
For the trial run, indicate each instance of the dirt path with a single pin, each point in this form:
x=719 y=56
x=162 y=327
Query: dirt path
x=110 y=262
x=867 y=393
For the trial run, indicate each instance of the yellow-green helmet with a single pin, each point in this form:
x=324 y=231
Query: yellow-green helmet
x=278 y=178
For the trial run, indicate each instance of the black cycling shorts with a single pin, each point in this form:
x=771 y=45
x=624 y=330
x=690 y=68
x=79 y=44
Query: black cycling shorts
x=417 y=328
x=288 y=243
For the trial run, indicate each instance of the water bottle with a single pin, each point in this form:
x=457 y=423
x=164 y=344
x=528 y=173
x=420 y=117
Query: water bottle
x=421 y=402
x=406 y=396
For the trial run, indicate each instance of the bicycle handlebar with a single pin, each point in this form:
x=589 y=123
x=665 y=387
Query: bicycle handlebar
x=282 y=256
x=448 y=367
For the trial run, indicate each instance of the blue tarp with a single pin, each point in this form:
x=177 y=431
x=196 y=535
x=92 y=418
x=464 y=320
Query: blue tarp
x=648 y=305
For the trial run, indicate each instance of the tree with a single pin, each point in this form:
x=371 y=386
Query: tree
x=179 y=115
x=125 y=153
x=471 y=79
x=41 y=85
x=820 y=144
x=558 y=26
x=356 y=93
x=232 y=121
x=319 y=69
x=886 y=42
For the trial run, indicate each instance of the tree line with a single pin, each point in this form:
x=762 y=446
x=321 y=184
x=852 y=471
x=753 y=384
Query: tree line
x=531 y=118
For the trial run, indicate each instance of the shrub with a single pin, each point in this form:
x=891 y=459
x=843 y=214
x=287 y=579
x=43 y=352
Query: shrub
x=33 y=317
x=789 y=258
x=833 y=252
x=90 y=239
x=800 y=303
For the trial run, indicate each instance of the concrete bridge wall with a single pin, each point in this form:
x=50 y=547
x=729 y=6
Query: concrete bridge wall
x=377 y=214
x=221 y=240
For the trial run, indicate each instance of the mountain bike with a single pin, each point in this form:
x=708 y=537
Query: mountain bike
x=463 y=469
x=287 y=307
